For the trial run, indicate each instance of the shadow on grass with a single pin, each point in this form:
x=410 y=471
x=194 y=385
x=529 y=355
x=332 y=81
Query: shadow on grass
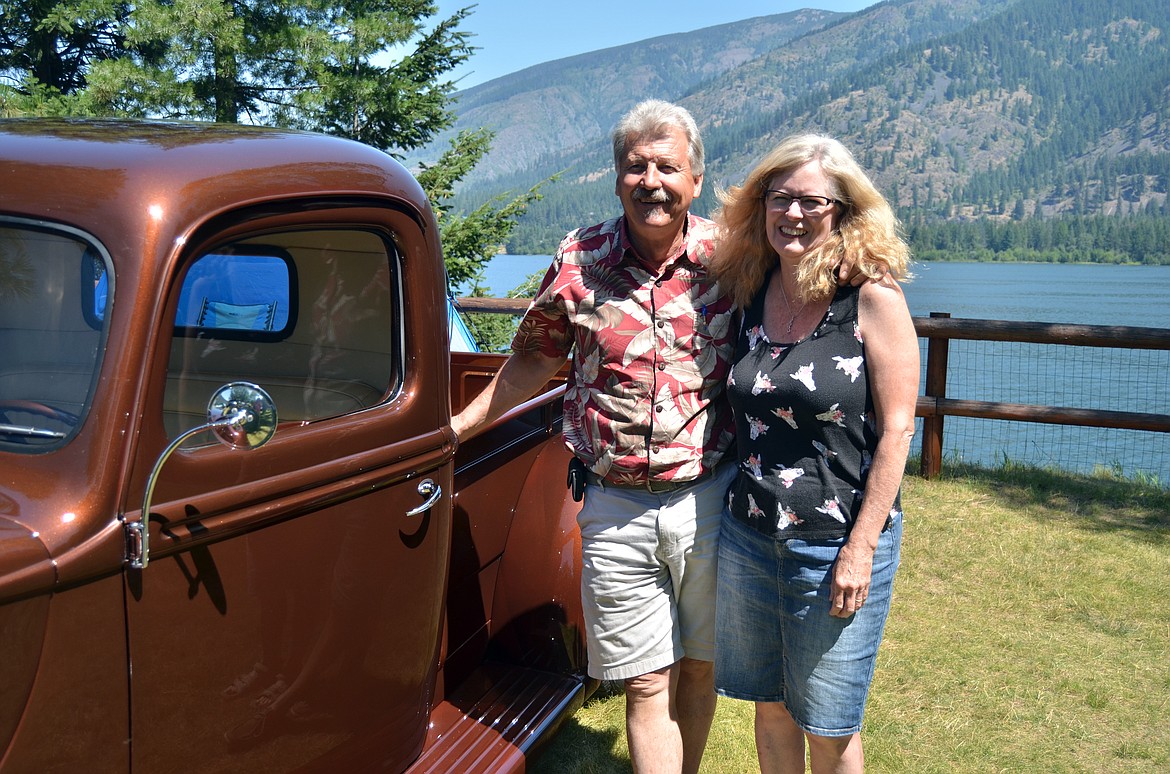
x=578 y=748
x=1093 y=503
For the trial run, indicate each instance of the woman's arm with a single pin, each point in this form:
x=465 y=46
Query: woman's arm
x=892 y=366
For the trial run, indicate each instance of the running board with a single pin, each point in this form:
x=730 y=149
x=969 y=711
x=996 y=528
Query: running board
x=496 y=718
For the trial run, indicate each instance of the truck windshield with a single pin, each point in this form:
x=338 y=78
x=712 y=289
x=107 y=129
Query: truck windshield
x=54 y=298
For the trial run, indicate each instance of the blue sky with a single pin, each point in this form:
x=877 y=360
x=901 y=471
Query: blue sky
x=514 y=34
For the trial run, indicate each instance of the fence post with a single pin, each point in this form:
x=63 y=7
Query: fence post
x=936 y=387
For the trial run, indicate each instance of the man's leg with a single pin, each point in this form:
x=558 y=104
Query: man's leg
x=652 y=728
x=668 y=716
x=692 y=528
x=695 y=705
x=630 y=622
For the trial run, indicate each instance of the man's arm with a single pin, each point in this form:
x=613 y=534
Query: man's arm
x=517 y=380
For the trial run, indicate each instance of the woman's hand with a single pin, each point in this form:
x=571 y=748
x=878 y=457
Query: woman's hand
x=851 y=576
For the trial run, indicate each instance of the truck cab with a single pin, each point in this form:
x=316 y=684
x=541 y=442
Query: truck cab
x=354 y=590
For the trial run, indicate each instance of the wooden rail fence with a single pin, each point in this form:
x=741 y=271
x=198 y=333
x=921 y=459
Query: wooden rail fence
x=934 y=406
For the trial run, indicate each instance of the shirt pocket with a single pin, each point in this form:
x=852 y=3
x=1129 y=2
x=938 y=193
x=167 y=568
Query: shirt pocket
x=712 y=345
x=714 y=327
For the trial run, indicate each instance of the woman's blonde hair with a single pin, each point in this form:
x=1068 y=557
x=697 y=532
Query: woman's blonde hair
x=867 y=230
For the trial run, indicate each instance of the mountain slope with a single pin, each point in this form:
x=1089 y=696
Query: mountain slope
x=558 y=107
x=1033 y=103
x=959 y=109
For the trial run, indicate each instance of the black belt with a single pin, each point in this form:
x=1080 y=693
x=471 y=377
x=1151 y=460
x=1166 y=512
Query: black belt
x=654 y=486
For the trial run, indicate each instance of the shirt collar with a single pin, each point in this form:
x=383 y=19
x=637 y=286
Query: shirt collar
x=690 y=249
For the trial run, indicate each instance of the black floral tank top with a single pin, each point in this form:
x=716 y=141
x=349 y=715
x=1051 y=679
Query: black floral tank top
x=804 y=425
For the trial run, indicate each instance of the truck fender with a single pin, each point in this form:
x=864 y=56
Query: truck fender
x=536 y=615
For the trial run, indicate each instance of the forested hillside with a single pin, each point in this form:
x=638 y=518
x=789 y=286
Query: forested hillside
x=1005 y=114
x=558 y=108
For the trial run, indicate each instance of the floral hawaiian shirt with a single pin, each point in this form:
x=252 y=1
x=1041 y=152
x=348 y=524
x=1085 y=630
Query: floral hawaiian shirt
x=651 y=353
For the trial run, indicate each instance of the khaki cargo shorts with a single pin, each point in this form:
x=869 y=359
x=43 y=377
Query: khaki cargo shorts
x=648 y=574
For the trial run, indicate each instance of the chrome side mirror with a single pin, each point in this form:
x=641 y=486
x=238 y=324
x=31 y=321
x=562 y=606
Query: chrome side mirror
x=239 y=415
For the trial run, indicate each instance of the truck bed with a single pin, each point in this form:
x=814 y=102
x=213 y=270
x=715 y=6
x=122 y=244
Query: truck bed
x=510 y=484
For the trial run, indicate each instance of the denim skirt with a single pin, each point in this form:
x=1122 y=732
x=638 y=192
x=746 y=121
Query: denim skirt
x=774 y=638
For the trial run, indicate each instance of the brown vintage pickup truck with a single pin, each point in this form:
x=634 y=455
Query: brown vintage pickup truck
x=236 y=532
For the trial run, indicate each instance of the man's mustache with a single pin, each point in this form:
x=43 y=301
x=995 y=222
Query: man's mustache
x=657 y=196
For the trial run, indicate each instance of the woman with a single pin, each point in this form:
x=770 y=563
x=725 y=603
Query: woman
x=824 y=388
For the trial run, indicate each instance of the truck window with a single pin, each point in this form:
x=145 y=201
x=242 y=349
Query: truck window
x=54 y=299
x=246 y=295
x=310 y=316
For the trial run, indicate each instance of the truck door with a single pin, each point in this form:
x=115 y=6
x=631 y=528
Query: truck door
x=290 y=612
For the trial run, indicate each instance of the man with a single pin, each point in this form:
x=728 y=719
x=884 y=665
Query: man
x=645 y=412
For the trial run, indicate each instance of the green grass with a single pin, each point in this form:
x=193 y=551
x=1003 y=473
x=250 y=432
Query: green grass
x=1030 y=632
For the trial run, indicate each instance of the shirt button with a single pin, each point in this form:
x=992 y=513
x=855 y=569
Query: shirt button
x=658 y=409
x=662 y=366
x=654 y=449
x=661 y=324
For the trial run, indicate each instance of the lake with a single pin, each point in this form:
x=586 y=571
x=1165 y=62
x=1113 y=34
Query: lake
x=1082 y=377
x=1060 y=293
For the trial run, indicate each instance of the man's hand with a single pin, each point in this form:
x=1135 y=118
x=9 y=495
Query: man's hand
x=849 y=273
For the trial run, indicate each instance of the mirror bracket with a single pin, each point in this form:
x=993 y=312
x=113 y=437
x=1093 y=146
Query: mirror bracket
x=240 y=415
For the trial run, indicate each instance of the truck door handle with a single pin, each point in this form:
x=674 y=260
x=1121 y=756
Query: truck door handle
x=430 y=490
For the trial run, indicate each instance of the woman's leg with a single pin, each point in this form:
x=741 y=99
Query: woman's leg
x=779 y=741
x=836 y=754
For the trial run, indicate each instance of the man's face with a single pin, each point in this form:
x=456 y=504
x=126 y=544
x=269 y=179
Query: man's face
x=656 y=185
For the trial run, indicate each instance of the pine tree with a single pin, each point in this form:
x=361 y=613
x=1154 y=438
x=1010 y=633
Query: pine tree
x=375 y=71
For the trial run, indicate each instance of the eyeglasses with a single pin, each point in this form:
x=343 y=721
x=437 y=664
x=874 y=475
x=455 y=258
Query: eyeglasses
x=809 y=205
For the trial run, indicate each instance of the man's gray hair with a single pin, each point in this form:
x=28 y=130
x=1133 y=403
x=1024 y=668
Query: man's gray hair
x=653 y=117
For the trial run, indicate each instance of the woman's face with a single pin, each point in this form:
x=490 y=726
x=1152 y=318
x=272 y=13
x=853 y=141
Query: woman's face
x=802 y=225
